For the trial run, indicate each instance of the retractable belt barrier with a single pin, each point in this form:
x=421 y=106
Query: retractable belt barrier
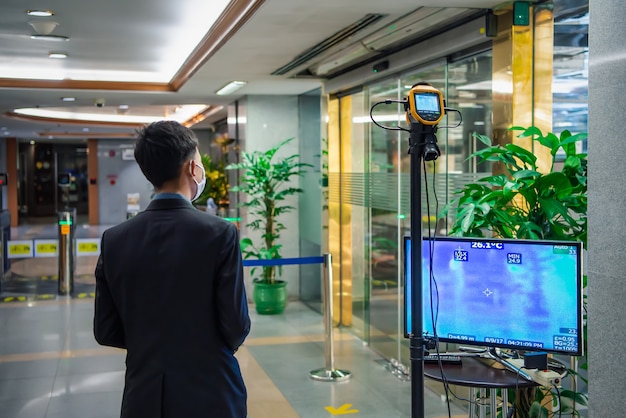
x=328 y=373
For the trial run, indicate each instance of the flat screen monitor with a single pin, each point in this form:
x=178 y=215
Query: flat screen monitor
x=512 y=294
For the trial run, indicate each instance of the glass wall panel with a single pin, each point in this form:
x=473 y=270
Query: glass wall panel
x=356 y=187
x=385 y=224
x=310 y=219
x=570 y=85
x=377 y=188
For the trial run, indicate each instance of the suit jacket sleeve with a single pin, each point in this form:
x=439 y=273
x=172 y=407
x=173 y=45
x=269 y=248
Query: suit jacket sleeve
x=231 y=300
x=107 y=323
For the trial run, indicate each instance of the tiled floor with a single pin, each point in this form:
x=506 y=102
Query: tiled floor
x=51 y=366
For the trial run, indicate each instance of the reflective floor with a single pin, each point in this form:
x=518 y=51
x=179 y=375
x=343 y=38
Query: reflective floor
x=51 y=366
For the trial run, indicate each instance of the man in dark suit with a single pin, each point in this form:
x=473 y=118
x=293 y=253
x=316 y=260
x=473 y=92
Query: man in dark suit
x=169 y=289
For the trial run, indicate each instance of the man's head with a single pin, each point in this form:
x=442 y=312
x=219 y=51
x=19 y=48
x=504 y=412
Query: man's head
x=165 y=150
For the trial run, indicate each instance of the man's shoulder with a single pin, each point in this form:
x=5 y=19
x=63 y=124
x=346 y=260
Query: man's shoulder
x=212 y=221
x=121 y=228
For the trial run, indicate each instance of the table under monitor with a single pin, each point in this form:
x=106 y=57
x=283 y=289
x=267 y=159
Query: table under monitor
x=480 y=374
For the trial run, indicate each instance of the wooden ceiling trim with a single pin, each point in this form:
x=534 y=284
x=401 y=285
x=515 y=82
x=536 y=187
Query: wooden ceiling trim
x=14 y=115
x=84 y=85
x=237 y=13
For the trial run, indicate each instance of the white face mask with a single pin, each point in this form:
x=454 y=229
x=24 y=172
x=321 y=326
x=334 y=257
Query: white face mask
x=201 y=185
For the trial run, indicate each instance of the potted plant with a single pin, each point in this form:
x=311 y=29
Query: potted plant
x=266 y=181
x=216 y=183
x=527 y=204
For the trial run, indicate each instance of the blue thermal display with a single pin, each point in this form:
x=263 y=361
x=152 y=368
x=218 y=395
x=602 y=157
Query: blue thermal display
x=427 y=102
x=504 y=293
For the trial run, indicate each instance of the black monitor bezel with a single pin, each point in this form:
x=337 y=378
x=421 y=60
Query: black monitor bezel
x=580 y=331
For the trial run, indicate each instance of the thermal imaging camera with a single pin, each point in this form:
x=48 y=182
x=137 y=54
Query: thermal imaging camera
x=426 y=104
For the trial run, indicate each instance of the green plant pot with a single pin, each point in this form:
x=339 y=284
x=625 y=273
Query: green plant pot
x=270 y=299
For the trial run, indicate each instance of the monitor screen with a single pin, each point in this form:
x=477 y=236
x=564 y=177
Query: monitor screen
x=515 y=294
x=428 y=102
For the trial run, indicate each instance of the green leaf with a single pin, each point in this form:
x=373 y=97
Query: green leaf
x=245 y=242
x=468 y=219
x=529 y=230
x=530 y=131
x=554 y=184
x=573 y=138
x=568 y=142
x=499 y=180
x=577 y=397
x=523 y=174
x=550 y=141
x=523 y=154
x=483 y=138
x=572 y=162
x=552 y=207
x=537 y=411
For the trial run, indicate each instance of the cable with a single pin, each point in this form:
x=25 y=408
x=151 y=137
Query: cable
x=434 y=311
x=434 y=301
x=450 y=109
x=389 y=128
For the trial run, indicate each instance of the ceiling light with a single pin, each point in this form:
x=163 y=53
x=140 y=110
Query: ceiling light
x=57 y=55
x=231 y=87
x=40 y=13
x=57 y=38
x=68 y=99
x=123 y=107
x=186 y=112
x=43 y=27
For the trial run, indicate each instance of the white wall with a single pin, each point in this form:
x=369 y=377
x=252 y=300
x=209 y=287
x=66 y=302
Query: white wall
x=117 y=178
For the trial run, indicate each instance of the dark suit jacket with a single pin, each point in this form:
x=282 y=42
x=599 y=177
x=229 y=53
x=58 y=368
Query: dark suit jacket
x=169 y=289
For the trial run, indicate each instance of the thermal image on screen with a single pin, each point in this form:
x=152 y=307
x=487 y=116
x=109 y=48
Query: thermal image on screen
x=503 y=293
x=427 y=102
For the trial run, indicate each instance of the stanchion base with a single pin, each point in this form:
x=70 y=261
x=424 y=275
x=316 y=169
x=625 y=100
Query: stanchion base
x=325 y=375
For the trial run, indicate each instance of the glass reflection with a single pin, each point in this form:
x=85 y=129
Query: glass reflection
x=570 y=86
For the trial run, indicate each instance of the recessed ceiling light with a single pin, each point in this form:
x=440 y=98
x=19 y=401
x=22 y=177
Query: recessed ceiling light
x=57 y=55
x=57 y=38
x=68 y=99
x=231 y=87
x=41 y=13
x=123 y=107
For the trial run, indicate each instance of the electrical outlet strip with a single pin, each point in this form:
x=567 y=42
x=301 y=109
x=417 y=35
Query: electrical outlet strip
x=545 y=378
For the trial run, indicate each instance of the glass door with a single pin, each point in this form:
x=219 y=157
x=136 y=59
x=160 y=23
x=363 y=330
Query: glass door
x=383 y=225
x=375 y=189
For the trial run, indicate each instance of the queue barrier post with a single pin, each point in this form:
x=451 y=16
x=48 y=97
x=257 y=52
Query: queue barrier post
x=327 y=373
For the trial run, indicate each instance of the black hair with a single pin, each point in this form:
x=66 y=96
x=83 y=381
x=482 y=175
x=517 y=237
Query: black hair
x=162 y=148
